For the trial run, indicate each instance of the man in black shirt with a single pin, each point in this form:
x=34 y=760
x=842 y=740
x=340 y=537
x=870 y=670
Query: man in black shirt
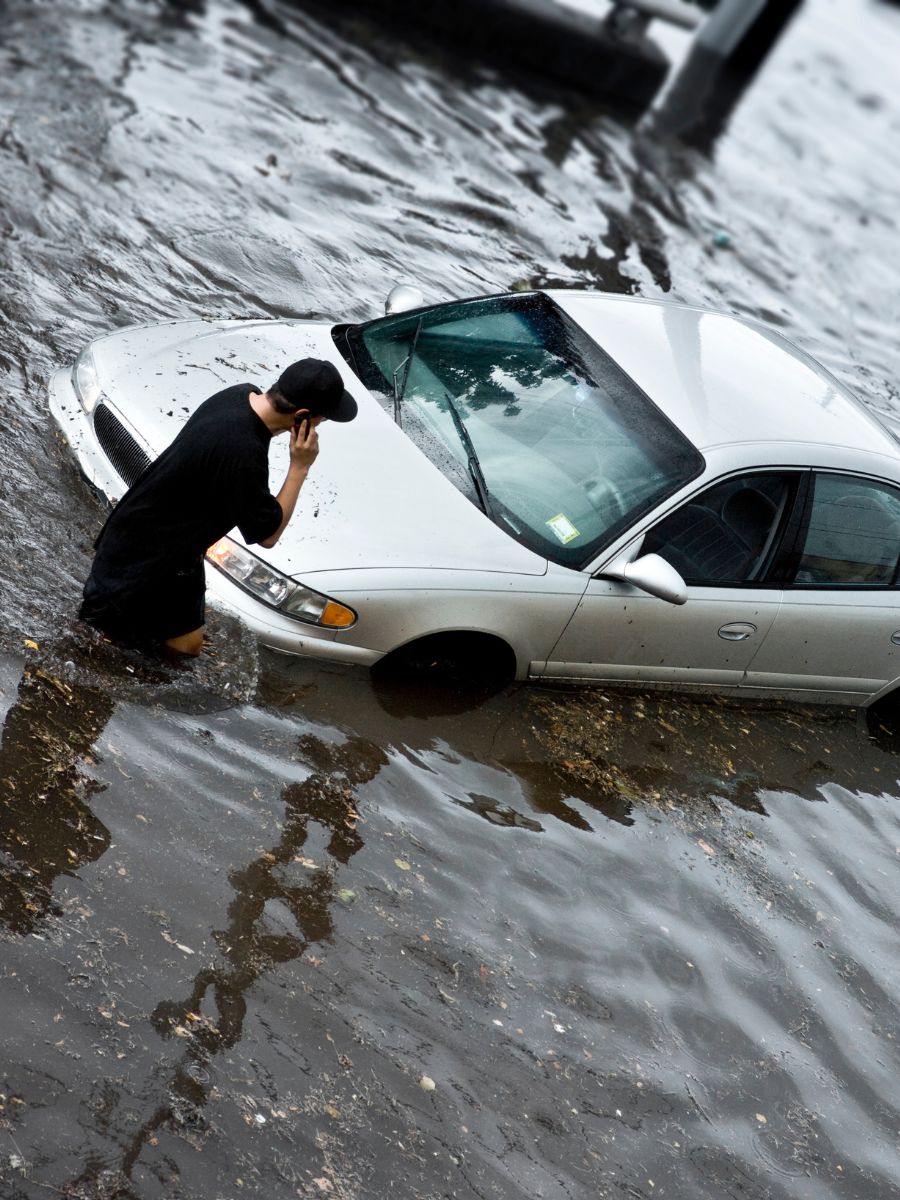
x=146 y=586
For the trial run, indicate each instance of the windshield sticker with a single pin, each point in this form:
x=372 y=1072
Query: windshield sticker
x=563 y=528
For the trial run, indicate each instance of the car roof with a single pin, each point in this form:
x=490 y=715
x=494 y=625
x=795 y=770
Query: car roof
x=723 y=379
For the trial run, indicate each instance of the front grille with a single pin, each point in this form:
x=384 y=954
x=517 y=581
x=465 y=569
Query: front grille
x=118 y=445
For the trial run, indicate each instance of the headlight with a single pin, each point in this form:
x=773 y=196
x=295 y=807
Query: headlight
x=85 y=381
x=272 y=588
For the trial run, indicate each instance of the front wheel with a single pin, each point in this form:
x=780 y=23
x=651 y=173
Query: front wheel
x=462 y=660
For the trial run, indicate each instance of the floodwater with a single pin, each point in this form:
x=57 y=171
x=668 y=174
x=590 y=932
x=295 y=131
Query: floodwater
x=270 y=930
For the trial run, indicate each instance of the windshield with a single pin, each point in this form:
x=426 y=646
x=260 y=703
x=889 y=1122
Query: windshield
x=569 y=448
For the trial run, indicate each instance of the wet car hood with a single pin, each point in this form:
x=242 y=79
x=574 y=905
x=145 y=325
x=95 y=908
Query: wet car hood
x=372 y=498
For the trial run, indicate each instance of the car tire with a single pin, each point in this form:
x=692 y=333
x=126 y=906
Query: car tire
x=477 y=661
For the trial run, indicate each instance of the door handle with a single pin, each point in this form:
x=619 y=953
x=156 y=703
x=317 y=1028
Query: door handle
x=895 y=638
x=737 y=631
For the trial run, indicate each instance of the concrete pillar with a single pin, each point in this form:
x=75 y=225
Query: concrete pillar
x=726 y=53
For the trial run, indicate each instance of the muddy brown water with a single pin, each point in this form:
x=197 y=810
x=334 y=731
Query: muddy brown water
x=269 y=930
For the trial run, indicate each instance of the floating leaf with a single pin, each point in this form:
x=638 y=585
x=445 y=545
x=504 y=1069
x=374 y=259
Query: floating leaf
x=402 y=864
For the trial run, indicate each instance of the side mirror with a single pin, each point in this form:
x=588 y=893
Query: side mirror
x=651 y=574
x=402 y=298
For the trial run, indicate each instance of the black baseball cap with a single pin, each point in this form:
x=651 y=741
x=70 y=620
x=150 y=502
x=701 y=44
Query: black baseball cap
x=315 y=384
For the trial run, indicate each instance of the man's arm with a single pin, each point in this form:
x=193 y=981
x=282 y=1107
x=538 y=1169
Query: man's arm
x=304 y=448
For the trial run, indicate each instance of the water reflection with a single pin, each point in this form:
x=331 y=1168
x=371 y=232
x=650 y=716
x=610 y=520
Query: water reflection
x=468 y=752
x=604 y=752
x=469 y=188
x=674 y=750
x=210 y=1019
x=46 y=827
x=176 y=10
x=418 y=718
x=64 y=701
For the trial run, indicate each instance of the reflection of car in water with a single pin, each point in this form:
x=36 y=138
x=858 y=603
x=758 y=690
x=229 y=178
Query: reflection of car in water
x=557 y=485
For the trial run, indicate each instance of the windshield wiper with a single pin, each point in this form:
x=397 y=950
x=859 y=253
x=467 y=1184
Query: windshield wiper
x=407 y=363
x=474 y=465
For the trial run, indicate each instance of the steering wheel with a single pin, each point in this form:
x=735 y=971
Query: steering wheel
x=606 y=496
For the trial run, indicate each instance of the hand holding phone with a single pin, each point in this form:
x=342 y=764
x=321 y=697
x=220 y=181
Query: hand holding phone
x=304 y=441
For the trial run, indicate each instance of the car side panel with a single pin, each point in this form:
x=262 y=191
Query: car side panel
x=528 y=614
x=621 y=634
x=830 y=641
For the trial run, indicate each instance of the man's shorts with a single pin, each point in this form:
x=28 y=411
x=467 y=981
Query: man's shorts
x=146 y=617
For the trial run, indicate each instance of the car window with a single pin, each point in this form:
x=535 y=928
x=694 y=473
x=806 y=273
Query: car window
x=853 y=535
x=727 y=534
x=571 y=450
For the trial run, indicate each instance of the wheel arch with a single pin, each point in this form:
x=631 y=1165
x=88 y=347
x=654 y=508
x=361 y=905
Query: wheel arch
x=484 y=652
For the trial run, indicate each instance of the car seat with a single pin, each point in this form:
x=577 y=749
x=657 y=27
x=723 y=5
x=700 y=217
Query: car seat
x=857 y=543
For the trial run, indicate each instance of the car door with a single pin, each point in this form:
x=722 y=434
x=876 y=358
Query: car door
x=722 y=542
x=837 y=632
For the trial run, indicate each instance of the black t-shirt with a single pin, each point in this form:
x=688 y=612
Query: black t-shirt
x=214 y=476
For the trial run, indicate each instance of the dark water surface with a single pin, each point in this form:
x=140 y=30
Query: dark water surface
x=268 y=931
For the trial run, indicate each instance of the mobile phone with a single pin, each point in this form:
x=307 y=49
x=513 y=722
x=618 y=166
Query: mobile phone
x=299 y=423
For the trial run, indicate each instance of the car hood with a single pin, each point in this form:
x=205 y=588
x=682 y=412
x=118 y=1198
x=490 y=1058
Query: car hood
x=372 y=498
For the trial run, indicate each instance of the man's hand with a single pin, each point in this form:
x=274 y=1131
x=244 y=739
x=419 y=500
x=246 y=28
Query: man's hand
x=304 y=444
x=304 y=448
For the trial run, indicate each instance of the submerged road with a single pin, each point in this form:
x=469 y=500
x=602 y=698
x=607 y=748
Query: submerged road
x=270 y=931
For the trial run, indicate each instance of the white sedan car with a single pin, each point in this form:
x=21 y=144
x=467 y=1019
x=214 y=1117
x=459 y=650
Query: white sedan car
x=545 y=485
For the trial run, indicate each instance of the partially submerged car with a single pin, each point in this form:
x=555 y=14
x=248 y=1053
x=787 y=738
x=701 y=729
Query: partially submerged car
x=546 y=485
